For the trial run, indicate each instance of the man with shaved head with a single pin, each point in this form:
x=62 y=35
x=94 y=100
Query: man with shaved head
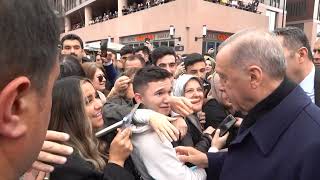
x=279 y=137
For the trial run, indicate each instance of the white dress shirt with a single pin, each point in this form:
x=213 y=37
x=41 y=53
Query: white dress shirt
x=308 y=84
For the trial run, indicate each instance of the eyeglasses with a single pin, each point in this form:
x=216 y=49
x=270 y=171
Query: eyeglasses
x=316 y=51
x=101 y=77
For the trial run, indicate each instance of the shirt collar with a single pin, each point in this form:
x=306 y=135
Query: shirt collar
x=308 y=83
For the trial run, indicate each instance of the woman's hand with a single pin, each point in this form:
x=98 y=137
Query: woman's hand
x=120 y=147
x=181 y=125
x=202 y=118
x=217 y=141
x=163 y=127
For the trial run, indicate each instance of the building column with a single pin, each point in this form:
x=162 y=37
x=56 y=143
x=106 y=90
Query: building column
x=121 y=3
x=87 y=15
x=67 y=24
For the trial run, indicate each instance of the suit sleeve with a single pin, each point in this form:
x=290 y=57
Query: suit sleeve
x=216 y=161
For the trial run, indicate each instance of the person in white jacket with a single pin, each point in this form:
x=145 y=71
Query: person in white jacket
x=156 y=158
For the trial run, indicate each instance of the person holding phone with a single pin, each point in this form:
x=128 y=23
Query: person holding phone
x=76 y=110
x=279 y=137
x=190 y=86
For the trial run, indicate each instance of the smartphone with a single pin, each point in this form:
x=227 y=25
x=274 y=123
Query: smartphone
x=225 y=125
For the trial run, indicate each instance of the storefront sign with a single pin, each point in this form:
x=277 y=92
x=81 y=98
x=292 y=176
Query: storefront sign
x=217 y=36
x=141 y=38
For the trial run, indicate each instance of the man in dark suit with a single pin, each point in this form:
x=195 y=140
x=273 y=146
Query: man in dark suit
x=300 y=67
x=279 y=138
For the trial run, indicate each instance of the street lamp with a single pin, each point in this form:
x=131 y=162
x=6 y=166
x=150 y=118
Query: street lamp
x=109 y=39
x=204 y=33
x=172 y=31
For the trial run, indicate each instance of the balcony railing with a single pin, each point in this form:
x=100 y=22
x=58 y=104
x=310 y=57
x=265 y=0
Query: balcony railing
x=139 y=7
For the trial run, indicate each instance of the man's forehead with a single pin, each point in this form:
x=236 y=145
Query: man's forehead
x=70 y=42
x=162 y=84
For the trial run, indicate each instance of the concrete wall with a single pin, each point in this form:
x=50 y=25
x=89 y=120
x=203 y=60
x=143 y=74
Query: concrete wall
x=187 y=16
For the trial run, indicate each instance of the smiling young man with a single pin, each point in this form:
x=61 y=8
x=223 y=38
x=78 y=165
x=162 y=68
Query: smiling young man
x=153 y=158
x=26 y=82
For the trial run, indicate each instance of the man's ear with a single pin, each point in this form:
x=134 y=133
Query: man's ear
x=138 y=98
x=255 y=73
x=303 y=53
x=13 y=105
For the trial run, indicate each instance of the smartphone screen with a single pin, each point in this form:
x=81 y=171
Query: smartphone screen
x=225 y=125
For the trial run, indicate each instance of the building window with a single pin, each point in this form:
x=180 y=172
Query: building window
x=318 y=17
x=273 y=3
x=272 y=19
x=295 y=9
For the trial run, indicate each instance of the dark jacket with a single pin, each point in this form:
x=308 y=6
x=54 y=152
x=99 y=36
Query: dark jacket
x=215 y=114
x=115 y=109
x=282 y=144
x=76 y=168
x=194 y=137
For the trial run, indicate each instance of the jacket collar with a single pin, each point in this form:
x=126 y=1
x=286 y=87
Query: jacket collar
x=269 y=127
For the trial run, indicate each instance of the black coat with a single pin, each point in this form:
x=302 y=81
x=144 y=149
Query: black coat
x=283 y=144
x=76 y=168
x=215 y=114
x=194 y=137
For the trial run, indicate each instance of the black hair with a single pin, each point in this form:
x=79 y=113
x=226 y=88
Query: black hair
x=70 y=66
x=144 y=49
x=293 y=39
x=104 y=46
x=29 y=35
x=160 y=52
x=193 y=58
x=133 y=57
x=72 y=37
x=148 y=74
x=126 y=50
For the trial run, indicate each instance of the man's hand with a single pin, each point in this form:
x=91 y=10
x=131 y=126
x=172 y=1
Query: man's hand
x=122 y=83
x=180 y=70
x=52 y=152
x=161 y=124
x=191 y=155
x=181 y=125
x=217 y=141
x=181 y=105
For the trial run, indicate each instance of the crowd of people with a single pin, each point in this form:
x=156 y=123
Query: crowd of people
x=135 y=7
x=252 y=6
x=106 y=16
x=168 y=108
